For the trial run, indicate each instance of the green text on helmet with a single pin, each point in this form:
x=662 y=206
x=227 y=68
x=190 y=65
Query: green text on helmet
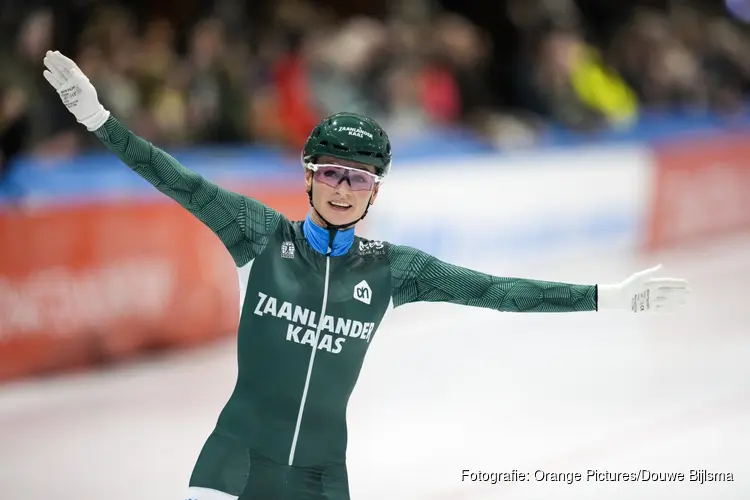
x=351 y=137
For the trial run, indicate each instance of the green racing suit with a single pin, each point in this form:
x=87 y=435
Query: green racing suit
x=306 y=322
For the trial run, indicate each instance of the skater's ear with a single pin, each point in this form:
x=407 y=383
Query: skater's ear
x=308 y=180
x=374 y=193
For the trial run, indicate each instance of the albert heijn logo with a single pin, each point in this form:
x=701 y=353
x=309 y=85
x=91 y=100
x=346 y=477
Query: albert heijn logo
x=362 y=292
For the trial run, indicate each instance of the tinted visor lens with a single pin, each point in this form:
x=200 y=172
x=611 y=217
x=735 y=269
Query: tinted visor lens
x=333 y=175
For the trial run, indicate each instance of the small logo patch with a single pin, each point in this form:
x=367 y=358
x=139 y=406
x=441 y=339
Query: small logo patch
x=371 y=247
x=287 y=250
x=362 y=292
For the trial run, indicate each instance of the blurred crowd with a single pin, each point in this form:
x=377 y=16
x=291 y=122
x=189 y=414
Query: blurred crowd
x=505 y=70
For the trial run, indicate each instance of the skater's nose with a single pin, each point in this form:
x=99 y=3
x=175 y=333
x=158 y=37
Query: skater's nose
x=344 y=186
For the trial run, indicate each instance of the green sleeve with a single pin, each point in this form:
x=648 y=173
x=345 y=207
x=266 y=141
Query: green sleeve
x=242 y=224
x=420 y=277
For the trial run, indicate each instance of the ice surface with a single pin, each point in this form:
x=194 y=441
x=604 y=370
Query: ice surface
x=445 y=388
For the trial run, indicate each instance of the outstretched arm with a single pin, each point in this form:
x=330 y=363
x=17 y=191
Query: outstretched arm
x=420 y=277
x=242 y=224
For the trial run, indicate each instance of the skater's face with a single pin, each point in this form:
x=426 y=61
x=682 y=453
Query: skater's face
x=341 y=195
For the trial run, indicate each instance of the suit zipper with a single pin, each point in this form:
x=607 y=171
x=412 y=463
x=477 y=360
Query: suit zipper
x=312 y=362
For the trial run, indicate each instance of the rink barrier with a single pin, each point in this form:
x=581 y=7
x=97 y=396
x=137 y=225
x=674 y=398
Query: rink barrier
x=98 y=267
x=89 y=284
x=702 y=191
x=493 y=210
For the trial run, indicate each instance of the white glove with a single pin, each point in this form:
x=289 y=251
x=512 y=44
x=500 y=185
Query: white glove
x=75 y=89
x=643 y=293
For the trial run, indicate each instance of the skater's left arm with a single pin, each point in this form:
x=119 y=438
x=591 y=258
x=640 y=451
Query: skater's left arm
x=419 y=277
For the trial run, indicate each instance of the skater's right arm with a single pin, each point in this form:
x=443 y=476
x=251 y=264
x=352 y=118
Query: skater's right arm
x=242 y=224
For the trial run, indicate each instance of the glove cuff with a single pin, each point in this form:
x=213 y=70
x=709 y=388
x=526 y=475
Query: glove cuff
x=610 y=298
x=95 y=121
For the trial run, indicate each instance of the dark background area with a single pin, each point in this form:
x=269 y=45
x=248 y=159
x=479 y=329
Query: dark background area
x=263 y=72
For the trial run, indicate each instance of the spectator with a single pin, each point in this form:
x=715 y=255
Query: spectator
x=188 y=78
x=14 y=130
x=573 y=86
x=51 y=130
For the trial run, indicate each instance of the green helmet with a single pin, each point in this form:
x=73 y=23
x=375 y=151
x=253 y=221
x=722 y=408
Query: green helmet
x=352 y=137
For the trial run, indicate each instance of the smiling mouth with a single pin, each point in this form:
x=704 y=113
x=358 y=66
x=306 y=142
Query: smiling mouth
x=339 y=206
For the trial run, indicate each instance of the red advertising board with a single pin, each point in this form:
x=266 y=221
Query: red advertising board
x=82 y=285
x=701 y=191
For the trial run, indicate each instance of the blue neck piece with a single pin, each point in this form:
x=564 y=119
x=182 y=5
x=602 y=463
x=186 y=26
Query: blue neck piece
x=319 y=237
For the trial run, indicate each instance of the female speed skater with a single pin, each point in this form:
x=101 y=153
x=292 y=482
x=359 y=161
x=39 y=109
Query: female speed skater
x=312 y=295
